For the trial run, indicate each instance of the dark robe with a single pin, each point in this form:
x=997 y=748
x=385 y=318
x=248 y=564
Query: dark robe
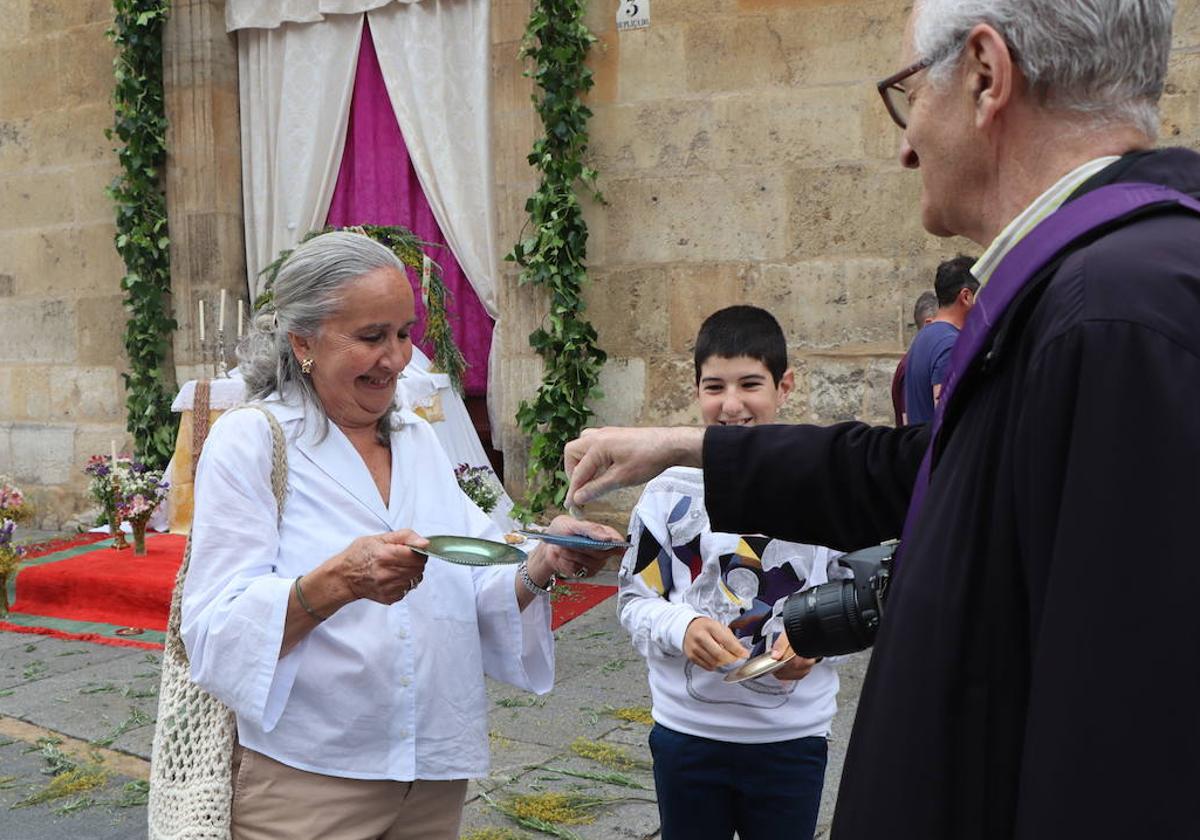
x=1037 y=673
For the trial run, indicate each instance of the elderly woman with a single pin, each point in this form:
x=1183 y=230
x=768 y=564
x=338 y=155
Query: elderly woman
x=355 y=668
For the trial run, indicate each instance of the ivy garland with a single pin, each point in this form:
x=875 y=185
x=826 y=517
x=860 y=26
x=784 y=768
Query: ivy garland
x=557 y=41
x=410 y=250
x=141 y=126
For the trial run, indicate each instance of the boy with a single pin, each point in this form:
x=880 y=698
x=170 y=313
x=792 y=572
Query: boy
x=747 y=757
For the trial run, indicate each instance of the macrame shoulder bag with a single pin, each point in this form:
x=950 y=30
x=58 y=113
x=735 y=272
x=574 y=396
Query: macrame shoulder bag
x=191 y=785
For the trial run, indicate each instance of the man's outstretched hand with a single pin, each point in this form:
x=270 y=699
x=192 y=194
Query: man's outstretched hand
x=601 y=460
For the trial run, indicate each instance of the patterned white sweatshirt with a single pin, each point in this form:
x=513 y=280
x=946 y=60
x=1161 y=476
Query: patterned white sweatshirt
x=678 y=569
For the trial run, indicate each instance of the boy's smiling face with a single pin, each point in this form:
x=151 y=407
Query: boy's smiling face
x=740 y=391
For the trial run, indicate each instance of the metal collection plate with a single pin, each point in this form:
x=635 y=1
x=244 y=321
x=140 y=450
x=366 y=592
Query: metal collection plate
x=573 y=540
x=471 y=551
x=758 y=666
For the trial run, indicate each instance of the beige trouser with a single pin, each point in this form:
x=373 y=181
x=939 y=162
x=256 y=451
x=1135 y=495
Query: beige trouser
x=273 y=801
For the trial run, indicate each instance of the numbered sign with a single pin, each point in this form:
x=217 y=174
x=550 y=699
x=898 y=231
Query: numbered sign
x=633 y=14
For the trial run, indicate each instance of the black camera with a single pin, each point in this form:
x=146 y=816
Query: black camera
x=841 y=616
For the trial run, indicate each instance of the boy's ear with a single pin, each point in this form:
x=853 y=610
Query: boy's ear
x=787 y=384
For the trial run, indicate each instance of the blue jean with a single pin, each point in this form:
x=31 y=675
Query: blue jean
x=709 y=789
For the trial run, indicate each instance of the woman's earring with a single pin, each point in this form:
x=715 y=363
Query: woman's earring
x=306 y=366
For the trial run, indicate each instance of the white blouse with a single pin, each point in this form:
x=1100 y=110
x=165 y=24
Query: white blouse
x=374 y=692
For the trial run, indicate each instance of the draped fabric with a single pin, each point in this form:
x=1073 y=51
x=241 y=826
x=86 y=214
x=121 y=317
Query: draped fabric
x=378 y=185
x=295 y=84
x=269 y=14
x=297 y=62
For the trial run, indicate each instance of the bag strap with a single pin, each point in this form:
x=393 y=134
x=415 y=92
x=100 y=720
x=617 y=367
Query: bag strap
x=173 y=646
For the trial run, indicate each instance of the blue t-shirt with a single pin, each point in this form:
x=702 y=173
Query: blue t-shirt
x=928 y=361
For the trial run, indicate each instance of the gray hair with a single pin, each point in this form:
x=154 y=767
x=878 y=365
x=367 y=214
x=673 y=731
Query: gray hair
x=1105 y=59
x=307 y=291
x=926 y=307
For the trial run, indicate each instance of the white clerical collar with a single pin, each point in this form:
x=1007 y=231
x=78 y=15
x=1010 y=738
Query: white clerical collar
x=1034 y=214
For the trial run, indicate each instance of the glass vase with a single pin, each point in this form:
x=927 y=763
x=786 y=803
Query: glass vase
x=139 y=537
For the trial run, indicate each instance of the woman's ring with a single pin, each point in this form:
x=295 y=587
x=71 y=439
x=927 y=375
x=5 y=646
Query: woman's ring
x=581 y=571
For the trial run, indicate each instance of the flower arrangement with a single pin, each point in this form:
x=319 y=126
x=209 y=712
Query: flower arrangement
x=13 y=509
x=127 y=490
x=480 y=484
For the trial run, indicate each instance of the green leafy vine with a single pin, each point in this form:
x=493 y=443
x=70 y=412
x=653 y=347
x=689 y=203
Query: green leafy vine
x=410 y=250
x=552 y=255
x=141 y=126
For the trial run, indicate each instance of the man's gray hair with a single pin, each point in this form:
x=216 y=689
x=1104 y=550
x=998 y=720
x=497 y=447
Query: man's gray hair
x=307 y=291
x=1103 y=58
x=925 y=308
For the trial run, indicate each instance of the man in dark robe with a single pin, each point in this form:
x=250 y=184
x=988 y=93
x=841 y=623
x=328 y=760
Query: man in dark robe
x=1036 y=673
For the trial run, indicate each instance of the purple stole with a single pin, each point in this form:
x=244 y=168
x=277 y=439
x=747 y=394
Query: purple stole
x=1068 y=225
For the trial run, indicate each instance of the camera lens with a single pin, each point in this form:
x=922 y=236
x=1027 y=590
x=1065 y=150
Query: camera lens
x=831 y=619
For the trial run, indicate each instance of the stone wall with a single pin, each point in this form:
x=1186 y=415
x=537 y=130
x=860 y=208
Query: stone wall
x=61 y=319
x=746 y=157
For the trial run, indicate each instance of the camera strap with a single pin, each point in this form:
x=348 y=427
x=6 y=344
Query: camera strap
x=1073 y=225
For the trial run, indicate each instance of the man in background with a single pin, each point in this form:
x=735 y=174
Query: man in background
x=924 y=311
x=929 y=355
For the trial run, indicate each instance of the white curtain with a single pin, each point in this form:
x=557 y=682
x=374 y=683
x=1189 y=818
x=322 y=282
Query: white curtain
x=296 y=83
x=434 y=57
x=268 y=14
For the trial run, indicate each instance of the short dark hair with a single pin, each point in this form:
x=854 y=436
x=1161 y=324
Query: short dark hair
x=926 y=307
x=952 y=277
x=742 y=331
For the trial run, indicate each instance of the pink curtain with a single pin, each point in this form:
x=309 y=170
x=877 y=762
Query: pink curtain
x=377 y=185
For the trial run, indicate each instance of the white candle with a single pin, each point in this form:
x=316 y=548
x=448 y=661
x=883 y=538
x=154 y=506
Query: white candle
x=201 y=320
x=240 y=315
x=426 y=271
x=221 y=313
x=113 y=444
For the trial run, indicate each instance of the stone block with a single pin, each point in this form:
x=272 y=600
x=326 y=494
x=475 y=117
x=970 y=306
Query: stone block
x=27 y=392
x=767 y=129
x=697 y=291
x=629 y=309
x=41 y=453
x=30 y=78
x=623 y=387
x=668 y=136
x=100 y=334
x=1180 y=104
x=15 y=14
x=510 y=17
x=53 y=16
x=74 y=135
x=7 y=285
x=604 y=59
x=84 y=58
x=671 y=392
x=743 y=53
x=17 y=144
x=850 y=389
x=651 y=63
x=196 y=47
x=87 y=394
x=511 y=89
x=61 y=261
x=839 y=43
x=855 y=209
x=204 y=170
x=694 y=11
x=92 y=204
x=825 y=304
x=31 y=200
x=37 y=329
x=723 y=216
x=1186 y=31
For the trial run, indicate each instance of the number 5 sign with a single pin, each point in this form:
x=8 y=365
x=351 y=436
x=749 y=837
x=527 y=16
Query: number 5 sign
x=633 y=14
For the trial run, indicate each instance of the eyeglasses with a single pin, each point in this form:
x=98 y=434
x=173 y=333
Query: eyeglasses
x=895 y=97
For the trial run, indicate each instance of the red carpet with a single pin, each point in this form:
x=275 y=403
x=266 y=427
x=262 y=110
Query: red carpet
x=571 y=600
x=84 y=590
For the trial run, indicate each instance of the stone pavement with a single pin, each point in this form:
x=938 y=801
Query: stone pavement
x=92 y=707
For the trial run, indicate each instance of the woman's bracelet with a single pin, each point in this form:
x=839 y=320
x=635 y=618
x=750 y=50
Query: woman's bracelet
x=527 y=581
x=304 y=603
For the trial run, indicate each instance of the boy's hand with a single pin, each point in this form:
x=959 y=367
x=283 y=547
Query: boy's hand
x=710 y=644
x=798 y=668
